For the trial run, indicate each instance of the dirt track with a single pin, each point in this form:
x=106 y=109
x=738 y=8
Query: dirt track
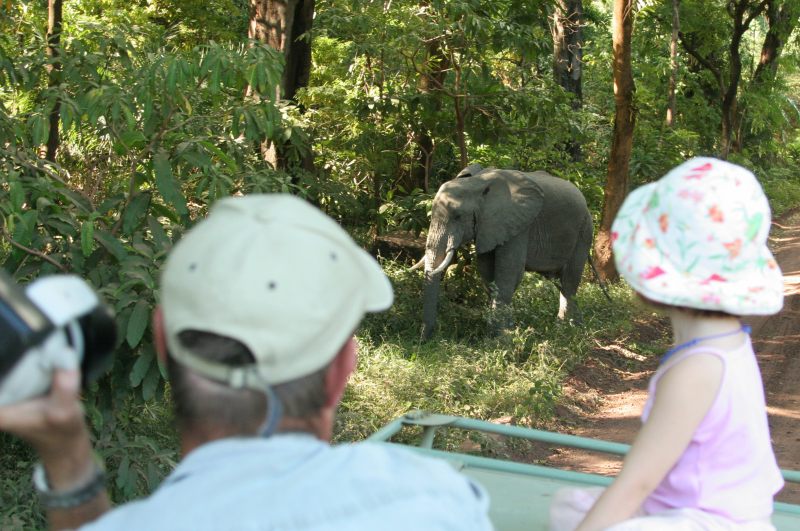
x=607 y=393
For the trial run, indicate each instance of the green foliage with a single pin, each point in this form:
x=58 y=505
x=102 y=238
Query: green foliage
x=369 y=99
x=150 y=137
x=782 y=186
x=19 y=507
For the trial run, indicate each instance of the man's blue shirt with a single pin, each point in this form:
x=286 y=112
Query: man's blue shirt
x=297 y=482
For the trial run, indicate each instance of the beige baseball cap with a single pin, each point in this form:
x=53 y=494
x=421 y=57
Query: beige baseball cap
x=276 y=274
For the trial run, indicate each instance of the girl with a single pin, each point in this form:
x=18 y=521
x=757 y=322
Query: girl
x=694 y=244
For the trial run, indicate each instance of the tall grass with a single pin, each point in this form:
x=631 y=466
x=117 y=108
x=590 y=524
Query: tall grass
x=465 y=369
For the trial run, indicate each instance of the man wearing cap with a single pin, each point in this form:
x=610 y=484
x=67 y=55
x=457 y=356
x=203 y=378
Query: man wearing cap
x=259 y=303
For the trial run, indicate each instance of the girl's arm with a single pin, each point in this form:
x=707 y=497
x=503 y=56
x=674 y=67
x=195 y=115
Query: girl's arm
x=685 y=394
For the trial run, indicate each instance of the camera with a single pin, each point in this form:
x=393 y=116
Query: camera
x=56 y=321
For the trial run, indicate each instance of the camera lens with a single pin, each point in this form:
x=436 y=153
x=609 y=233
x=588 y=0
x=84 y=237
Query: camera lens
x=99 y=337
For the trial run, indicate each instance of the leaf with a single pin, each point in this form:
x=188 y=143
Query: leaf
x=170 y=80
x=150 y=383
x=39 y=128
x=198 y=159
x=158 y=233
x=235 y=123
x=17 y=196
x=135 y=212
x=123 y=471
x=132 y=139
x=67 y=115
x=76 y=199
x=24 y=230
x=224 y=157
x=167 y=184
x=137 y=323
x=129 y=118
x=87 y=238
x=111 y=244
x=140 y=368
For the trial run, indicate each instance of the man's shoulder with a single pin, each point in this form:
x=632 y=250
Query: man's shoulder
x=391 y=455
x=385 y=463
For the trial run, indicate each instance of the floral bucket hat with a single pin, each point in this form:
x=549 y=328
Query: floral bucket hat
x=698 y=238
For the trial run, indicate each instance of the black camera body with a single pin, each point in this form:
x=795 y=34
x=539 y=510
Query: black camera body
x=56 y=321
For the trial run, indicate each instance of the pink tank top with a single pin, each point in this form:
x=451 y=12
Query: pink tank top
x=729 y=467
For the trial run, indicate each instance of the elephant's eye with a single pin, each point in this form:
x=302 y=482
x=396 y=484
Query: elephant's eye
x=456 y=216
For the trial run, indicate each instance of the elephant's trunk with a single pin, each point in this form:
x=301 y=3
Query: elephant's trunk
x=439 y=243
x=446 y=262
x=429 y=302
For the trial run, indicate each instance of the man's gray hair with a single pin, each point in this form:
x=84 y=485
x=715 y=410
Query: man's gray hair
x=200 y=402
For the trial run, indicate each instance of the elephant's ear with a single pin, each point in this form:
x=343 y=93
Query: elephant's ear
x=511 y=202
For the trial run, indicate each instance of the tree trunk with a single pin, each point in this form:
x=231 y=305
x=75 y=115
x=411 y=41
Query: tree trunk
x=568 y=57
x=673 y=63
x=458 y=98
x=743 y=12
x=54 y=18
x=734 y=76
x=781 y=22
x=431 y=80
x=280 y=24
x=622 y=142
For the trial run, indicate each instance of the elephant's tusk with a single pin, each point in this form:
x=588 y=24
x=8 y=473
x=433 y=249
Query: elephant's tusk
x=446 y=262
x=418 y=264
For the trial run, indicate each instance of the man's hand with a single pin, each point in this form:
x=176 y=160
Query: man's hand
x=54 y=425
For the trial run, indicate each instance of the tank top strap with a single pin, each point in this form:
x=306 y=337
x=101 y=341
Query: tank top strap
x=692 y=351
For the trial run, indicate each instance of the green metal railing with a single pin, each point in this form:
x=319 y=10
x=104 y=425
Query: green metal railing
x=431 y=423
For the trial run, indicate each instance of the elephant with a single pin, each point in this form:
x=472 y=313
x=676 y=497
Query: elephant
x=519 y=222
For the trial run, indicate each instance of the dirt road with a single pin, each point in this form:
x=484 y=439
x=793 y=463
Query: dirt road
x=605 y=396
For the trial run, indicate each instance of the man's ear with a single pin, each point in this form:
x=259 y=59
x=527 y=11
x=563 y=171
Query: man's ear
x=339 y=372
x=159 y=336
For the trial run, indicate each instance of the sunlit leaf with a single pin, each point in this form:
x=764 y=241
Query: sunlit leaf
x=166 y=183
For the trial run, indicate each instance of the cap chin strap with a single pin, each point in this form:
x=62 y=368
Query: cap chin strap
x=274 y=412
x=239 y=378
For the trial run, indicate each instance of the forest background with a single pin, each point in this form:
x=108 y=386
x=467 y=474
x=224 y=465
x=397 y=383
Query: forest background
x=121 y=122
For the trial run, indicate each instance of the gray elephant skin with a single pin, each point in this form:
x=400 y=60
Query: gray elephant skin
x=519 y=222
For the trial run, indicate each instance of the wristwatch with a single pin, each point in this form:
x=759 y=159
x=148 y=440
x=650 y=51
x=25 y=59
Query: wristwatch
x=51 y=499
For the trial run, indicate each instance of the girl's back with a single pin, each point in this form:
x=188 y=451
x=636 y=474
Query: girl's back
x=729 y=467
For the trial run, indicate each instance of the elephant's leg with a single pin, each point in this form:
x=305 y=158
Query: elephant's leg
x=571 y=276
x=567 y=307
x=486 y=271
x=509 y=266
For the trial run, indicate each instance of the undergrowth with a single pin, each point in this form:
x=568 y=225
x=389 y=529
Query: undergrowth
x=465 y=369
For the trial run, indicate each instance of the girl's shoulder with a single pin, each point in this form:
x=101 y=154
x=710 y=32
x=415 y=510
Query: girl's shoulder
x=701 y=368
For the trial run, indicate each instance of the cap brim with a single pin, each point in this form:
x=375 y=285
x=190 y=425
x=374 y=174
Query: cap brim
x=379 y=294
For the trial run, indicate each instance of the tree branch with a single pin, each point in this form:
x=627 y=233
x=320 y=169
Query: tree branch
x=33 y=252
x=691 y=50
x=756 y=11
